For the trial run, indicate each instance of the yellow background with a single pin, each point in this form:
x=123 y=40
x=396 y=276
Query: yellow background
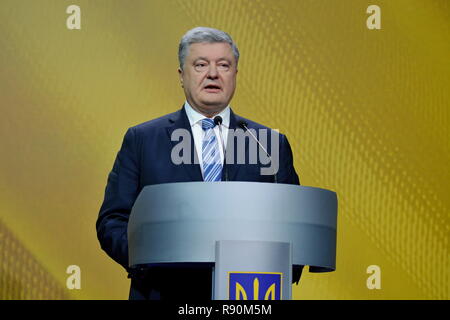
x=366 y=113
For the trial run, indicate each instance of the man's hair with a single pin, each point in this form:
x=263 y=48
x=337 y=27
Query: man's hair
x=204 y=34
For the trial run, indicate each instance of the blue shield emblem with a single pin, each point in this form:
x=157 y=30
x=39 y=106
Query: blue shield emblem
x=254 y=285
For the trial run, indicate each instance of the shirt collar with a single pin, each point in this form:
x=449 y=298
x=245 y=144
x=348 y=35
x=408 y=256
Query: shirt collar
x=194 y=116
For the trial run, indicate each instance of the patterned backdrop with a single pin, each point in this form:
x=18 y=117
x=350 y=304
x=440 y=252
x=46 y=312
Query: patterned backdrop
x=366 y=112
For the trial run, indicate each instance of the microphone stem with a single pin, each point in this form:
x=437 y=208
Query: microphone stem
x=262 y=147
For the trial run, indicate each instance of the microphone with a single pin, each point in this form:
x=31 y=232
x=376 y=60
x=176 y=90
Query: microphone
x=218 y=121
x=243 y=125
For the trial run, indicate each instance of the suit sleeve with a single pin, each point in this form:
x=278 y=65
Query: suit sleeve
x=120 y=195
x=286 y=173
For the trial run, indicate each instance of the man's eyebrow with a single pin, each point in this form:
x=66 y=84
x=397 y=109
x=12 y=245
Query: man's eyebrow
x=206 y=59
x=201 y=58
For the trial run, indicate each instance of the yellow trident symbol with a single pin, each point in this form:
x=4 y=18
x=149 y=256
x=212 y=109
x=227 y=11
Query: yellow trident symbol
x=240 y=291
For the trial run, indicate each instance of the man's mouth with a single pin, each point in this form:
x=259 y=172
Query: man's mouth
x=212 y=88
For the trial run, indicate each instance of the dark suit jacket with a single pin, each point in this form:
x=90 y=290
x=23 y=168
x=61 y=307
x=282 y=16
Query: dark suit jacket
x=145 y=159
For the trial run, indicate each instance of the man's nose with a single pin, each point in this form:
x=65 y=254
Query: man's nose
x=212 y=72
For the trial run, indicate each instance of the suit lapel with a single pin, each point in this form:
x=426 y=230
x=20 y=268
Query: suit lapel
x=179 y=120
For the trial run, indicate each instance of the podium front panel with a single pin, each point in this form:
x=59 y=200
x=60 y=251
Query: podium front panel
x=253 y=270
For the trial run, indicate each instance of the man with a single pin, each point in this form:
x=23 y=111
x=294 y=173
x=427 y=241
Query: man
x=208 y=67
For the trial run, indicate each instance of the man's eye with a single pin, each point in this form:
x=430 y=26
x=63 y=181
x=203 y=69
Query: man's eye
x=200 y=66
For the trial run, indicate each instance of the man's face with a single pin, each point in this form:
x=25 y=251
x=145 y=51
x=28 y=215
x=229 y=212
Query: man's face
x=209 y=76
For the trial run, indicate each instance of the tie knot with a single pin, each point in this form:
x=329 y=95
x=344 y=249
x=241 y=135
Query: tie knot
x=207 y=124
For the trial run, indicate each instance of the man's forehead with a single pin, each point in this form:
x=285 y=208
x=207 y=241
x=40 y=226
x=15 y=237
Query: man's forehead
x=205 y=49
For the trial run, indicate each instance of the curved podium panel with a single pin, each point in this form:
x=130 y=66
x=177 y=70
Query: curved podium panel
x=181 y=222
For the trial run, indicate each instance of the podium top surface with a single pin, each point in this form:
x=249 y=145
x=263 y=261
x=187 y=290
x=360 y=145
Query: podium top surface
x=180 y=222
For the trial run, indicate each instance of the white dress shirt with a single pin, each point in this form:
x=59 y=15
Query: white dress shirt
x=195 y=119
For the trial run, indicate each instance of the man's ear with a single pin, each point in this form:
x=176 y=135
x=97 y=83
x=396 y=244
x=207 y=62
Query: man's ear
x=180 y=73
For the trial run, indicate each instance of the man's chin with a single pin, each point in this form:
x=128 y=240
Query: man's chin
x=209 y=107
x=213 y=104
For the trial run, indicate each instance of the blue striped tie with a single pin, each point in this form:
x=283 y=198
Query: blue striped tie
x=212 y=165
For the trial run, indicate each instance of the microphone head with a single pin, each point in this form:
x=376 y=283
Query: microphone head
x=242 y=124
x=218 y=120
